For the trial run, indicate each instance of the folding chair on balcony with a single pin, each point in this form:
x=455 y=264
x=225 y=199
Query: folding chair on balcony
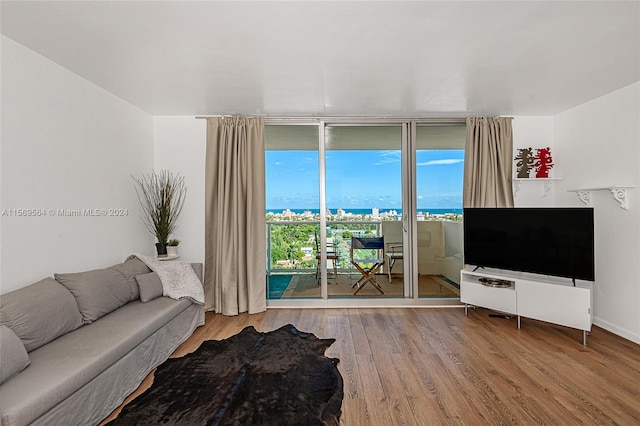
x=332 y=255
x=367 y=255
x=393 y=253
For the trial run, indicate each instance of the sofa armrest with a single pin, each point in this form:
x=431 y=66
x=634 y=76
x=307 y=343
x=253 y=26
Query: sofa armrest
x=197 y=267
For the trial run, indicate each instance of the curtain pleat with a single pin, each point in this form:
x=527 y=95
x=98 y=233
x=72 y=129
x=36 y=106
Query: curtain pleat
x=488 y=162
x=235 y=227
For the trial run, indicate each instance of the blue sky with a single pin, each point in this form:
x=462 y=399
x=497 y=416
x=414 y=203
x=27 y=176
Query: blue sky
x=362 y=179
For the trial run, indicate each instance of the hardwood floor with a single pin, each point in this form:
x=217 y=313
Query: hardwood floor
x=436 y=366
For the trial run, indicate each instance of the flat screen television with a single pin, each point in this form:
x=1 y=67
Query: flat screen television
x=557 y=241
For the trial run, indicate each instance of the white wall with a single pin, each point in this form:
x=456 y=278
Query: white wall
x=598 y=144
x=180 y=146
x=533 y=132
x=66 y=144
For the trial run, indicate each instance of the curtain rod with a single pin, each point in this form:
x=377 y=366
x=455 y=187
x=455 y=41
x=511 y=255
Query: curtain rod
x=353 y=119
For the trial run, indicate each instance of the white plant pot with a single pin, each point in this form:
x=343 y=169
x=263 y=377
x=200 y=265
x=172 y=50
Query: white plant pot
x=172 y=251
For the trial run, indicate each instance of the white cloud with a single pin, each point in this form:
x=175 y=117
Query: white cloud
x=388 y=157
x=441 y=162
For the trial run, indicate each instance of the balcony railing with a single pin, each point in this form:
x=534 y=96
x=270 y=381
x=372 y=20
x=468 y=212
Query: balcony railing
x=291 y=245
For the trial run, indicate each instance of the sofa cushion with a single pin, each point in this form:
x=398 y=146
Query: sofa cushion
x=150 y=286
x=12 y=353
x=39 y=313
x=130 y=268
x=97 y=292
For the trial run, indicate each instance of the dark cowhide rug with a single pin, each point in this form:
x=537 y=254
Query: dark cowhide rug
x=276 y=378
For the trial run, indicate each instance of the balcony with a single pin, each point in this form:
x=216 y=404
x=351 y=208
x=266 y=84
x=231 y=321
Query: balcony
x=292 y=266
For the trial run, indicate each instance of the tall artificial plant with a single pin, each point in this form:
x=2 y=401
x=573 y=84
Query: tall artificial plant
x=161 y=196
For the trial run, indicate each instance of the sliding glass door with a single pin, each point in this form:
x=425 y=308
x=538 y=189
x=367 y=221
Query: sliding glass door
x=293 y=207
x=364 y=198
x=439 y=179
x=327 y=182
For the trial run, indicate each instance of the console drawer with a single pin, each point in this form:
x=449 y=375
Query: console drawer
x=499 y=299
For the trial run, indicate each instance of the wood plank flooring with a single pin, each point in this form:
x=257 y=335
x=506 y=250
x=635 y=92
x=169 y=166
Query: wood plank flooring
x=438 y=367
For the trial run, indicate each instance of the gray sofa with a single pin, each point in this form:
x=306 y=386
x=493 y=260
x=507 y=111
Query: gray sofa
x=73 y=347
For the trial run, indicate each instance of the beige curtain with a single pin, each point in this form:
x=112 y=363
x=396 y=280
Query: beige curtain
x=488 y=162
x=235 y=227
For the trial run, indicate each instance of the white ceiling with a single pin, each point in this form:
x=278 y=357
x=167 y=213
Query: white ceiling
x=321 y=58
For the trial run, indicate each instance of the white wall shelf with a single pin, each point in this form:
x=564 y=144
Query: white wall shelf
x=618 y=192
x=547 y=184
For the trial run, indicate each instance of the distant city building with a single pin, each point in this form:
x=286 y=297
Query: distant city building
x=308 y=253
x=345 y=216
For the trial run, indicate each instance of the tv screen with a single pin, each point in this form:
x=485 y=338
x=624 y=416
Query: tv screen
x=547 y=241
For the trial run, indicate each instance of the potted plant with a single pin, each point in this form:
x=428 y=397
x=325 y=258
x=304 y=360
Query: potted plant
x=161 y=196
x=172 y=247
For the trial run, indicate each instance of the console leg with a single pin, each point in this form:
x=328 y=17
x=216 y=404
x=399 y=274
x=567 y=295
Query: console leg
x=466 y=310
x=518 y=322
x=584 y=337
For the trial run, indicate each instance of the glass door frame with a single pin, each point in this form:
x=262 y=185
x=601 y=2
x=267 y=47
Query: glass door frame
x=409 y=217
x=410 y=243
x=371 y=122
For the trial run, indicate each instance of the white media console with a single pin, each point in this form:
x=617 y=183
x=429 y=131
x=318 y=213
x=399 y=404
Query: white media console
x=544 y=298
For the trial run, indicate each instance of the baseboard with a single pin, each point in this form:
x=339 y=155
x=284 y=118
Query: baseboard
x=622 y=332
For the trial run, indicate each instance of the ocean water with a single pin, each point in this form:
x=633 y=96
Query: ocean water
x=368 y=211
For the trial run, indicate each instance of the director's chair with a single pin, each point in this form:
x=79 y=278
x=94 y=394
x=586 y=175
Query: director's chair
x=369 y=260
